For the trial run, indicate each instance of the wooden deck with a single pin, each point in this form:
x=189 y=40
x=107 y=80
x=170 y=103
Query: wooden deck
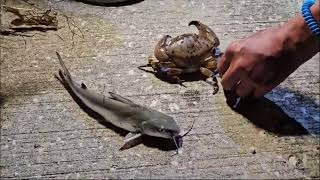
x=46 y=134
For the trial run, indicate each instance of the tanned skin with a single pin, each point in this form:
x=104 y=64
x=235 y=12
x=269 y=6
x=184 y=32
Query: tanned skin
x=255 y=65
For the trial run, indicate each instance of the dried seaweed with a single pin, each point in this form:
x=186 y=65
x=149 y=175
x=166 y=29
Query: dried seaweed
x=30 y=20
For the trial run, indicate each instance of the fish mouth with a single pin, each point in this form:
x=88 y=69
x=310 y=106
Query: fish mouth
x=177 y=138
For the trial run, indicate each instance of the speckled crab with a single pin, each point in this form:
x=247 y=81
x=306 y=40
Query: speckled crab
x=187 y=53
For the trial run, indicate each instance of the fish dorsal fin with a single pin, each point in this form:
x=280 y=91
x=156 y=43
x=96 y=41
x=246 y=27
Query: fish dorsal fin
x=121 y=99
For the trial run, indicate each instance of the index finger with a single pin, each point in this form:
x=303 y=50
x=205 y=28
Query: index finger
x=224 y=62
x=227 y=57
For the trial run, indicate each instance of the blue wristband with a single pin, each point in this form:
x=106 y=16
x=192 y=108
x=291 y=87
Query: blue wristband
x=309 y=19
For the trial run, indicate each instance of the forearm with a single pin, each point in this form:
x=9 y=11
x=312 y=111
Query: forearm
x=257 y=64
x=298 y=39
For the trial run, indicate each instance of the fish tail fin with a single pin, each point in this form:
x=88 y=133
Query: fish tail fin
x=65 y=73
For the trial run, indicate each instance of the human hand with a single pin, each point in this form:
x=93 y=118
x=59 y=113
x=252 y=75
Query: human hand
x=250 y=65
x=257 y=64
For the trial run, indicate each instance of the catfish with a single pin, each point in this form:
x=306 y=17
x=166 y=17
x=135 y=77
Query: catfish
x=124 y=113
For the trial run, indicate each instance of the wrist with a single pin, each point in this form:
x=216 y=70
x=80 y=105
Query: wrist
x=309 y=10
x=315 y=10
x=298 y=30
x=298 y=39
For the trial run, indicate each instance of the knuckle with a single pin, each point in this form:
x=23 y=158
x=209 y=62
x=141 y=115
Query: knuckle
x=225 y=83
x=259 y=92
x=240 y=92
x=234 y=47
x=239 y=65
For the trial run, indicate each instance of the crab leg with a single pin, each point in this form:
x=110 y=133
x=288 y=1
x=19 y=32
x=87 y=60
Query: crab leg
x=172 y=73
x=209 y=74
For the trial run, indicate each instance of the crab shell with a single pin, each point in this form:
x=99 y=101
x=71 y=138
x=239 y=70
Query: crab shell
x=188 y=51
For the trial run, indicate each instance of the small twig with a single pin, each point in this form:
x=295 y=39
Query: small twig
x=74 y=24
x=14 y=11
x=31 y=4
x=8 y=7
x=14 y=33
x=34 y=28
x=104 y=97
x=60 y=37
x=72 y=29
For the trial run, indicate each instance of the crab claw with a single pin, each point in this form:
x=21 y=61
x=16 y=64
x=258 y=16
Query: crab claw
x=206 y=32
x=160 y=51
x=195 y=23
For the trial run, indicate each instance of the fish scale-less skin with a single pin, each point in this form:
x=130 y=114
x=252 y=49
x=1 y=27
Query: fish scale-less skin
x=122 y=112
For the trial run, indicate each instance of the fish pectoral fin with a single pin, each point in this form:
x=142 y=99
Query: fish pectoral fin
x=131 y=140
x=130 y=136
x=121 y=99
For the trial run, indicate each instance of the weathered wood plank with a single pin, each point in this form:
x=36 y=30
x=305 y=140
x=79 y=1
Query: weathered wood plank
x=45 y=134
